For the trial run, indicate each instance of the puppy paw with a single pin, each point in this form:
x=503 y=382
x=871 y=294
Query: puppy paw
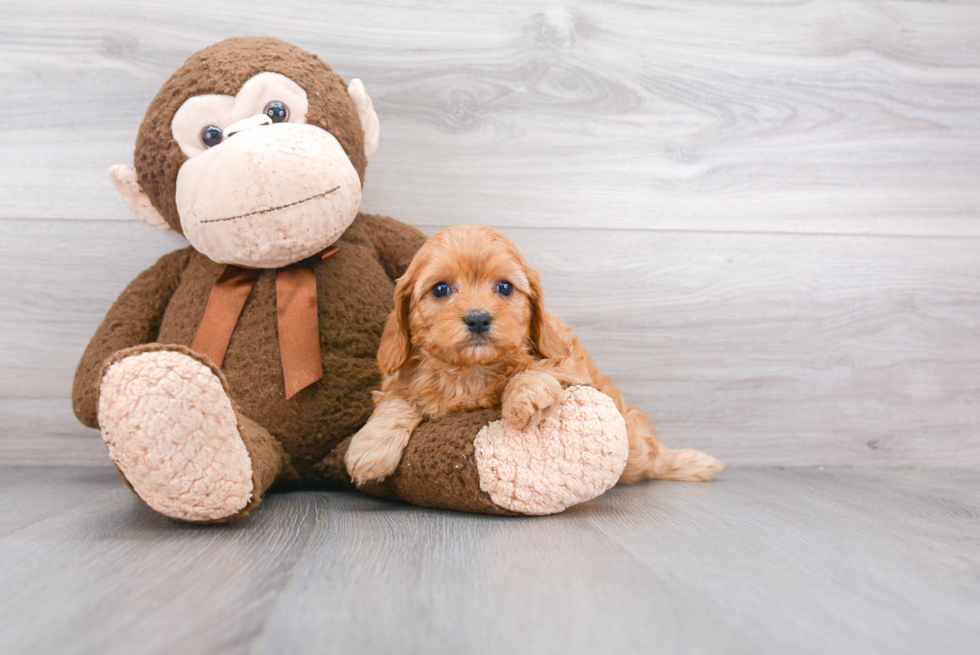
x=374 y=454
x=529 y=396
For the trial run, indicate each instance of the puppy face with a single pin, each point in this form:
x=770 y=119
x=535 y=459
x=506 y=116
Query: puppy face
x=468 y=298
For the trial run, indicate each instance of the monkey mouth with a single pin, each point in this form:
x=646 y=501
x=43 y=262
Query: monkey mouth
x=272 y=209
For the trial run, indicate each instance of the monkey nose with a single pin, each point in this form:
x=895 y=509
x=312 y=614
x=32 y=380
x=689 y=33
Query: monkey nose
x=477 y=321
x=247 y=124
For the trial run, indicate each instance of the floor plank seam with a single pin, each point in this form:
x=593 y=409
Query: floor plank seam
x=289 y=576
x=581 y=228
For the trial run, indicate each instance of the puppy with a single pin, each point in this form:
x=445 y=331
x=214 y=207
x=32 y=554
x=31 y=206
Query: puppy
x=469 y=330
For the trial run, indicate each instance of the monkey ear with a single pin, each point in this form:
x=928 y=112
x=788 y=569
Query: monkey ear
x=124 y=179
x=365 y=111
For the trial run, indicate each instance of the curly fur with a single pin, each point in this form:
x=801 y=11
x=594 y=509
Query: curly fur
x=432 y=364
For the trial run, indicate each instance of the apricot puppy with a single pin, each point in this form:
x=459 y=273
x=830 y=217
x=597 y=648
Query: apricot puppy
x=469 y=330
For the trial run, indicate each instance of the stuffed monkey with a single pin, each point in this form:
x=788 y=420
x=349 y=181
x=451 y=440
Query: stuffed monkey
x=248 y=358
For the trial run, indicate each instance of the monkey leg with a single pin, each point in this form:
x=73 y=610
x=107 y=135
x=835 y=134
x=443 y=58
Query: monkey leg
x=177 y=438
x=476 y=462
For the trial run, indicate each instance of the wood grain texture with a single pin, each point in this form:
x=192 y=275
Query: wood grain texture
x=786 y=556
x=797 y=350
x=110 y=576
x=787 y=562
x=763 y=218
x=826 y=117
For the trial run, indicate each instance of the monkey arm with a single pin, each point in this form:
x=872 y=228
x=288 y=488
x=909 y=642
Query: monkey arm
x=134 y=319
x=395 y=242
x=437 y=468
x=475 y=462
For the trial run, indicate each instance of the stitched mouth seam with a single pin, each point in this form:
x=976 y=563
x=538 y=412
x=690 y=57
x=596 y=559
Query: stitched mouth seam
x=272 y=209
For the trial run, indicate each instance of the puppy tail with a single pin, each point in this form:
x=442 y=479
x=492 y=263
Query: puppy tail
x=649 y=458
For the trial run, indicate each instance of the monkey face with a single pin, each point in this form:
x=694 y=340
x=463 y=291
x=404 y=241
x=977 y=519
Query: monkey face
x=261 y=187
x=255 y=150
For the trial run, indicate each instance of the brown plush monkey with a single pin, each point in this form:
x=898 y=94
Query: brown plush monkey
x=248 y=358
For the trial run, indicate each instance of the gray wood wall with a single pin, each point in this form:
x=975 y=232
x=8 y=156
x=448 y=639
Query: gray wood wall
x=763 y=218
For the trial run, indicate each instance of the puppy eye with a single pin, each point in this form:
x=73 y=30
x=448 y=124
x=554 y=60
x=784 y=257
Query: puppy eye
x=440 y=290
x=211 y=136
x=505 y=288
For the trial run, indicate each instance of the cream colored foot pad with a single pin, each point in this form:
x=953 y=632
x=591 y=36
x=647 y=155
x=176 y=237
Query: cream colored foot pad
x=171 y=430
x=573 y=455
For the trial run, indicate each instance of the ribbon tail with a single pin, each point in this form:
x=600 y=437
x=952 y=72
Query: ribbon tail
x=225 y=304
x=299 y=327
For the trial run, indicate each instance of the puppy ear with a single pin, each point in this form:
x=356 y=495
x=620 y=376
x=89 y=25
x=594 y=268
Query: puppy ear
x=549 y=336
x=395 y=341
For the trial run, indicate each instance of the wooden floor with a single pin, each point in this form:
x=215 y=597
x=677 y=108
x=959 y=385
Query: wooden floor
x=759 y=561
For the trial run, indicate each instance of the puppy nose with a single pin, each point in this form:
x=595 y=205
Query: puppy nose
x=477 y=321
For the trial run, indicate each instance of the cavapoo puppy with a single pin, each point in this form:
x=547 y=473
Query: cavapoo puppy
x=469 y=330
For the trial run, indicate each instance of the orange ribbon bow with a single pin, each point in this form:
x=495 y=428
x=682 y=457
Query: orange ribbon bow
x=296 y=310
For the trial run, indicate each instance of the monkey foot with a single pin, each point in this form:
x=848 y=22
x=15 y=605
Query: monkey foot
x=575 y=454
x=173 y=433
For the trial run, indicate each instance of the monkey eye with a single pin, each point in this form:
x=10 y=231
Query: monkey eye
x=211 y=136
x=441 y=290
x=505 y=288
x=277 y=111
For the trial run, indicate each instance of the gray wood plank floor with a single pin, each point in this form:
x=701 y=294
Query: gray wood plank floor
x=759 y=561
